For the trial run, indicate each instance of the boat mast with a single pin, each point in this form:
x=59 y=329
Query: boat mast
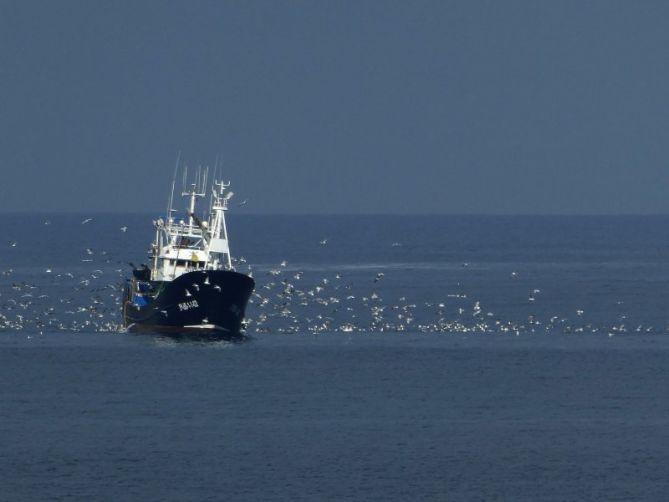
x=174 y=179
x=197 y=190
x=219 y=242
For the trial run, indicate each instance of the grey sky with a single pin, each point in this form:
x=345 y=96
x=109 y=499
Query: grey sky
x=339 y=106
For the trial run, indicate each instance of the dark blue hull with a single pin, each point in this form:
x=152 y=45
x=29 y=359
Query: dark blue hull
x=202 y=302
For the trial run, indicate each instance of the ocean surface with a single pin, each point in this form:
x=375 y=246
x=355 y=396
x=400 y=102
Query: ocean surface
x=385 y=358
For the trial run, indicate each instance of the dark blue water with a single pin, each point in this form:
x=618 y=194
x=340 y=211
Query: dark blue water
x=406 y=358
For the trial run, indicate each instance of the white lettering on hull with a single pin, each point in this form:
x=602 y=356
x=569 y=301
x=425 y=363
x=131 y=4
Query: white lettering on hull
x=188 y=305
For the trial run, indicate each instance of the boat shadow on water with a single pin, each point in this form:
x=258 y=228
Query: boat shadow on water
x=193 y=336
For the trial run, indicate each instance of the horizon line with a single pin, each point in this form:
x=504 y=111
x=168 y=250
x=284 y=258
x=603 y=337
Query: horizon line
x=505 y=214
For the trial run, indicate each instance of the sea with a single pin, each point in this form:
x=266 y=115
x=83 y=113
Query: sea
x=385 y=358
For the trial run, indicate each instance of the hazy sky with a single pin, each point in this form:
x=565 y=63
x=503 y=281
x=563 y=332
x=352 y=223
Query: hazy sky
x=338 y=106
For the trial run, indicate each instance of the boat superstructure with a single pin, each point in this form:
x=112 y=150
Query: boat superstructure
x=193 y=245
x=191 y=283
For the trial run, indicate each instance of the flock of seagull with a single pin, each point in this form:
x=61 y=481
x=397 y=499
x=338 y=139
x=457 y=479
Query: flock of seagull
x=293 y=301
x=287 y=299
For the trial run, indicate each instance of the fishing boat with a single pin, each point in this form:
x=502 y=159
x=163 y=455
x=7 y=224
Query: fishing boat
x=190 y=284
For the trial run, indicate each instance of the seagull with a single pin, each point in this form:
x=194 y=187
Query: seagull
x=323 y=242
x=124 y=229
x=243 y=202
x=87 y=220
